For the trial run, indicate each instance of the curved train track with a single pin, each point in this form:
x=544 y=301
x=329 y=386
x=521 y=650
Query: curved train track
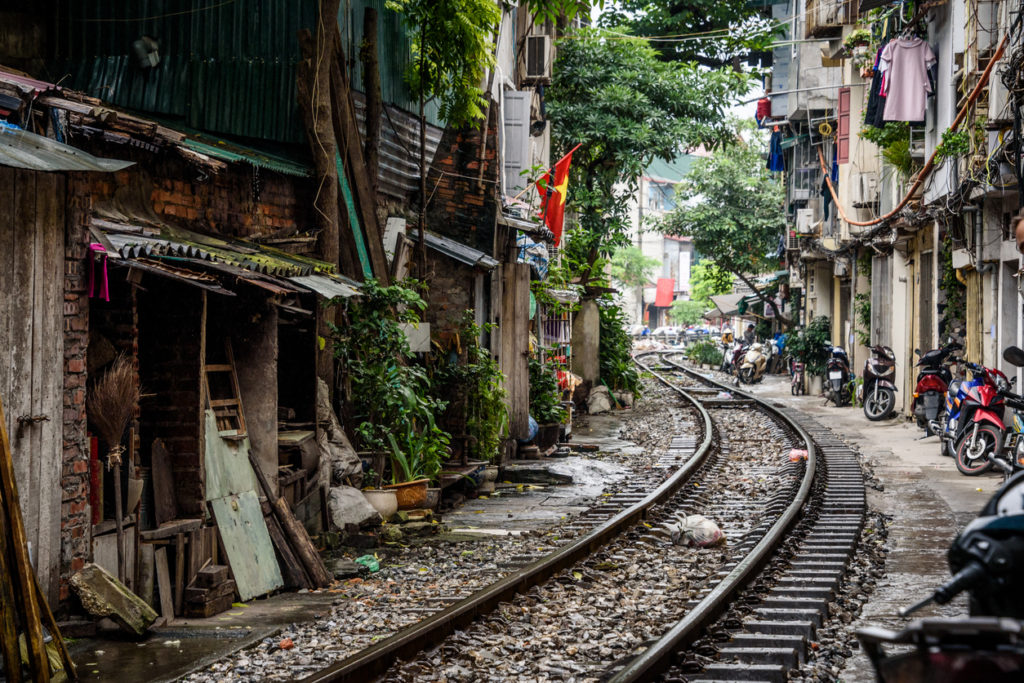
x=803 y=535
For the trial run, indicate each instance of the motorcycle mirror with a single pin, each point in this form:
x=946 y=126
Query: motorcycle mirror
x=1014 y=355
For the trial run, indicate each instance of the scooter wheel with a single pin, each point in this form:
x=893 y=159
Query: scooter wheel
x=978 y=461
x=878 y=404
x=792 y=389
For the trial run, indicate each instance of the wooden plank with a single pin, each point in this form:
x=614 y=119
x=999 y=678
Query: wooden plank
x=301 y=544
x=211 y=576
x=294 y=573
x=194 y=554
x=165 y=507
x=172 y=529
x=234 y=385
x=179 y=573
x=163 y=582
x=247 y=543
x=48 y=378
x=8 y=614
x=23 y=582
x=19 y=402
x=7 y=282
x=228 y=464
x=51 y=624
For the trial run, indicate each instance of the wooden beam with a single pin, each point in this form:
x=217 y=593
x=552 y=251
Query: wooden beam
x=23 y=582
x=347 y=134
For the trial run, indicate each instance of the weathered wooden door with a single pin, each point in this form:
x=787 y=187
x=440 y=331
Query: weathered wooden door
x=32 y=352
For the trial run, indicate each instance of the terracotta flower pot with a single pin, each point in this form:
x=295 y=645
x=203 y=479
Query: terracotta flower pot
x=411 y=494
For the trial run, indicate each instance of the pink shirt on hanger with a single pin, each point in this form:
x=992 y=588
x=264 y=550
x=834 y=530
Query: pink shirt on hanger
x=905 y=62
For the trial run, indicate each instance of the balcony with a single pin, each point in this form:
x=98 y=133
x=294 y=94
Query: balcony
x=825 y=18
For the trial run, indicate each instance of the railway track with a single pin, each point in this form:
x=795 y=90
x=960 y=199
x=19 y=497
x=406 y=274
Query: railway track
x=607 y=540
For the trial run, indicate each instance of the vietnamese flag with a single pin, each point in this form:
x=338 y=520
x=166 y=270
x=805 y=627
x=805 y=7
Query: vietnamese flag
x=552 y=202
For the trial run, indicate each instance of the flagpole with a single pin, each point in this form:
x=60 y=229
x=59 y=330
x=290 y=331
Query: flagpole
x=550 y=171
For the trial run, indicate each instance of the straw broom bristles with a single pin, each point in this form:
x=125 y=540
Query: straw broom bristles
x=114 y=396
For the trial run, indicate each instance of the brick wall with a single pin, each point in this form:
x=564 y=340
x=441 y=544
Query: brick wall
x=239 y=201
x=170 y=333
x=459 y=207
x=75 y=514
x=450 y=293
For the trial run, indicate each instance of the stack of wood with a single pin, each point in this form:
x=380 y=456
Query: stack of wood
x=24 y=612
x=301 y=566
x=212 y=592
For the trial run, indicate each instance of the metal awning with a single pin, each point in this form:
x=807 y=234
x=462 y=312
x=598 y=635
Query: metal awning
x=457 y=250
x=22 y=149
x=727 y=304
x=326 y=287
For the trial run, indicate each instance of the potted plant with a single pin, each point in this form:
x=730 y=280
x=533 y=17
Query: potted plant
x=811 y=347
x=388 y=391
x=858 y=39
x=545 y=403
x=384 y=501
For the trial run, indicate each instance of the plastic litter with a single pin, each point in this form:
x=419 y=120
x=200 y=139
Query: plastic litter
x=696 y=531
x=725 y=394
x=797 y=454
x=369 y=561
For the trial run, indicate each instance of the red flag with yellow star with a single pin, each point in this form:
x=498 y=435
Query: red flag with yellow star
x=552 y=203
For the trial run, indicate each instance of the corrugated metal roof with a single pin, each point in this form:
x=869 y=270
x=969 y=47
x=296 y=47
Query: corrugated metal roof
x=456 y=250
x=147 y=238
x=227 y=67
x=22 y=149
x=326 y=287
x=234 y=152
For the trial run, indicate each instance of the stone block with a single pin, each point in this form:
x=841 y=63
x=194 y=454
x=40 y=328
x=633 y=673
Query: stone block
x=102 y=595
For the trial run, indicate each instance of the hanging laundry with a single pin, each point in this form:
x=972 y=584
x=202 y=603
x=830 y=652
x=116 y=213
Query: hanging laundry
x=764 y=111
x=776 y=162
x=826 y=198
x=876 y=100
x=905 y=62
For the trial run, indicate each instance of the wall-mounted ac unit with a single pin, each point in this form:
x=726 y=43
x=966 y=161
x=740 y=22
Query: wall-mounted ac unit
x=865 y=190
x=805 y=221
x=538 y=58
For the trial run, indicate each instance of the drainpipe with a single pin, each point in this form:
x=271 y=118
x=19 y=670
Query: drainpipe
x=979 y=227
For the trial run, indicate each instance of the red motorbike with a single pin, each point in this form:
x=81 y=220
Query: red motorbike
x=974 y=424
x=933 y=380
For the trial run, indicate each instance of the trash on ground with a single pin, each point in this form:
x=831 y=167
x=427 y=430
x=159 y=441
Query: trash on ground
x=369 y=561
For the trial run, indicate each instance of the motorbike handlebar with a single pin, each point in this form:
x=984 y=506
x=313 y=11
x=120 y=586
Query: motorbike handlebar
x=967 y=577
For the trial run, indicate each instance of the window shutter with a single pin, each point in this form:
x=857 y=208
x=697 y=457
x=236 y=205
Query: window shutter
x=517 y=139
x=843 y=134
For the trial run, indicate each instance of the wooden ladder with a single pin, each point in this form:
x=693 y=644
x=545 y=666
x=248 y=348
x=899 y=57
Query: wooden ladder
x=228 y=411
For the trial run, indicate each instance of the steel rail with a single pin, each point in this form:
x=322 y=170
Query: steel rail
x=658 y=657
x=374 y=661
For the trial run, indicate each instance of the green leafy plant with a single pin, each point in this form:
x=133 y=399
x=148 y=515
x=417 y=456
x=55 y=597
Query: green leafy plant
x=954 y=144
x=472 y=384
x=862 y=313
x=388 y=394
x=810 y=346
x=884 y=136
x=545 y=397
x=705 y=352
x=954 y=311
x=614 y=355
x=860 y=36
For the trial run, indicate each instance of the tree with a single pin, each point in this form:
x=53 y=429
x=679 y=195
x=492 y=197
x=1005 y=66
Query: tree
x=451 y=51
x=631 y=268
x=625 y=108
x=713 y=33
x=687 y=312
x=708 y=280
x=731 y=206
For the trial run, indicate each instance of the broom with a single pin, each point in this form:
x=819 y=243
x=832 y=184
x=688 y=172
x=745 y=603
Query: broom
x=114 y=397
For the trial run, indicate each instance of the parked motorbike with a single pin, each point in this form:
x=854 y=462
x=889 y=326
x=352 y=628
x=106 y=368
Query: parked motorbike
x=933 y=380
x=838 y=377
x=878 y=392
x=754 y=364
x=732 y=355
x=796 y=377
x=974 y=419
x=986 y=560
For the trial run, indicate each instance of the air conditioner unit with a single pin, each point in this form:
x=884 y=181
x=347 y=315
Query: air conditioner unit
x=538 y=58
x=805 y=221
x=865 y=190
